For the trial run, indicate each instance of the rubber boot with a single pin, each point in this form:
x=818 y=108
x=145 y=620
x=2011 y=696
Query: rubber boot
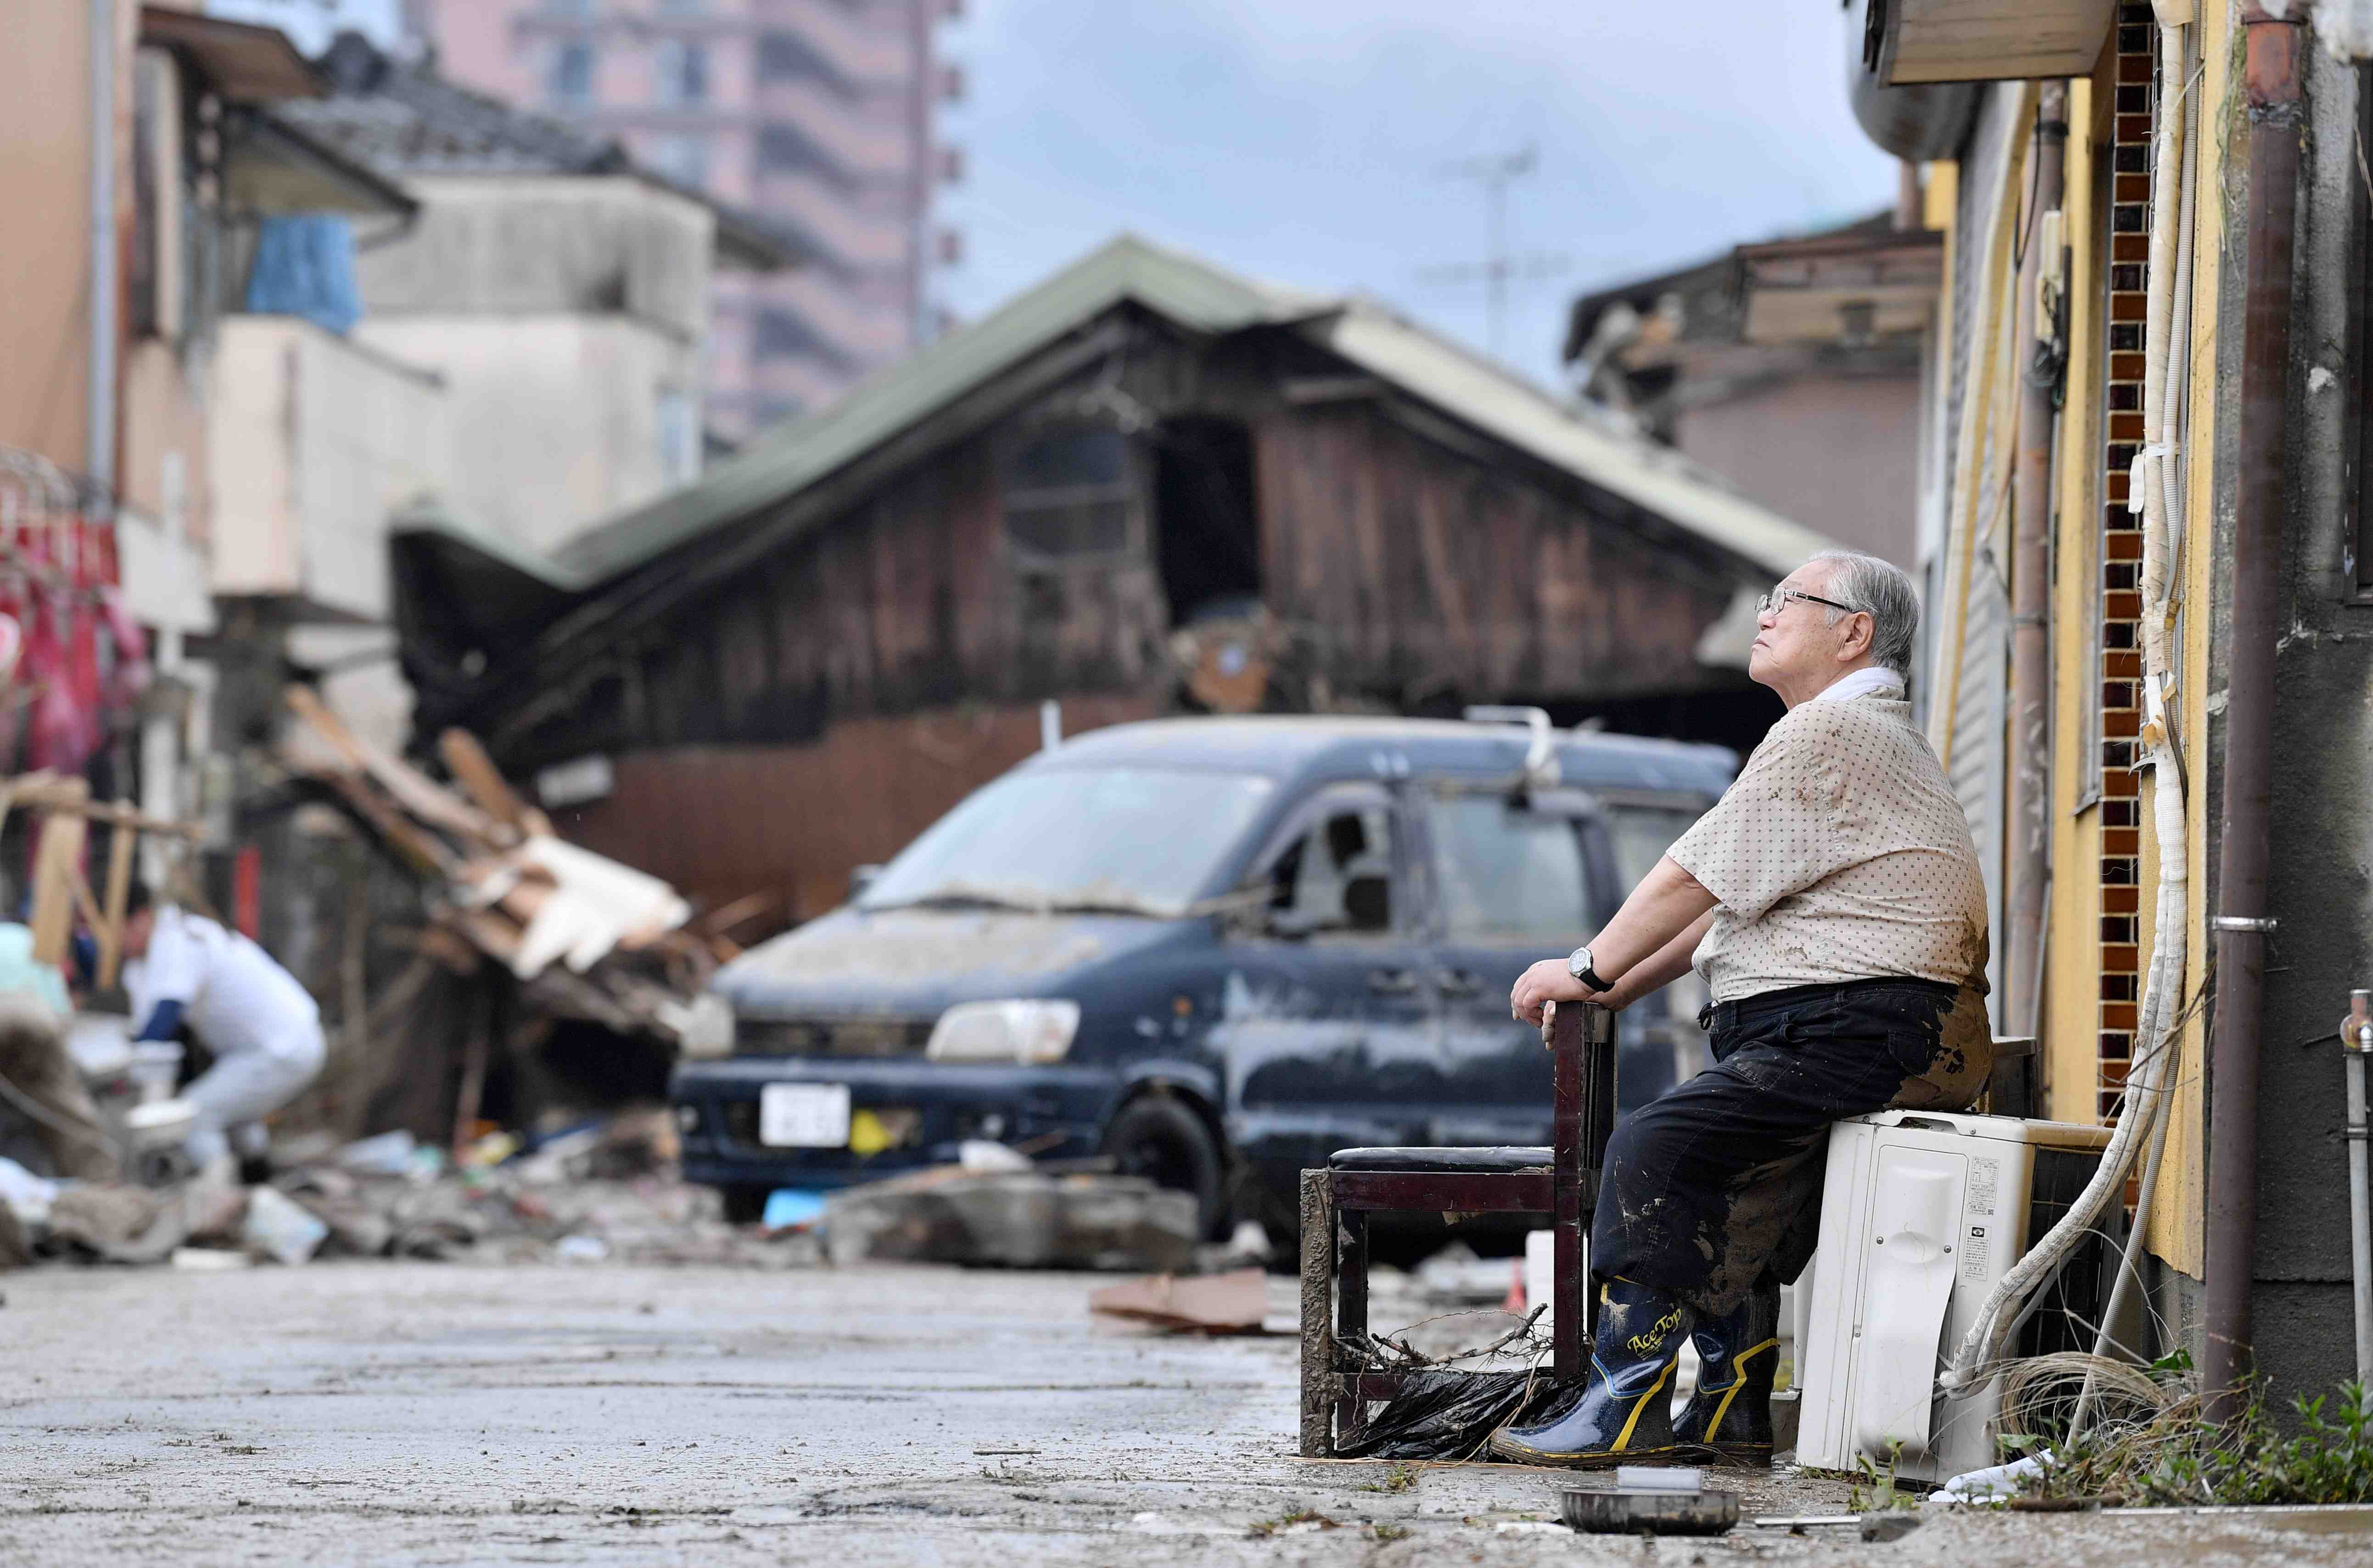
x=1729 y=1416
x=1626 y=1410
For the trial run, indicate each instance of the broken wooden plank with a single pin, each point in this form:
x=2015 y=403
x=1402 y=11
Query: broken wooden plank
x=52 y=792
x=56 y=868
x=1211 y=1303
x=119 y=896
x=477 y=773
x=412 y=790
x=410 y=841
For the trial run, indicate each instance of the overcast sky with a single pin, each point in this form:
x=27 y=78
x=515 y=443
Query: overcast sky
x=1310 y=141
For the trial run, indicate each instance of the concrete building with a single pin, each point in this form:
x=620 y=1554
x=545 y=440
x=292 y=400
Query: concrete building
x=1775 y=394
x=560 y=289
x=817 y=114
x=148 y=139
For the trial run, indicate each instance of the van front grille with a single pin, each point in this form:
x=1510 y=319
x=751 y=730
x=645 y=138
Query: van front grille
x=833 y=1036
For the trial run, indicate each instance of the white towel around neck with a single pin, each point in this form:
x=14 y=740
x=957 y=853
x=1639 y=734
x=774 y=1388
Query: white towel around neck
x=1870 y=680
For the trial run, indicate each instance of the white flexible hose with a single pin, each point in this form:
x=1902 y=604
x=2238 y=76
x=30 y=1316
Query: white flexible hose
x=1978 y=1356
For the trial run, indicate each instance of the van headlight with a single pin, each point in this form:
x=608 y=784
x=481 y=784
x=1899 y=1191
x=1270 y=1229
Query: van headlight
x=1029 y=1032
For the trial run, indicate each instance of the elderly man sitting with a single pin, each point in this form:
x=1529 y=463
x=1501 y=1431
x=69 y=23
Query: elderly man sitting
x=1833 y=901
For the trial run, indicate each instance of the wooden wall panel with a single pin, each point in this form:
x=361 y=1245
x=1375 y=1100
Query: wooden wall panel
x=723 y=821
x=1417 y=574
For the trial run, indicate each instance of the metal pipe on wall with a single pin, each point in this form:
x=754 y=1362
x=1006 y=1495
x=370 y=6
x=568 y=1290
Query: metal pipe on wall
x=2031 y=592
x=98 y=402
x=2271 y=78
x=2356 y=1046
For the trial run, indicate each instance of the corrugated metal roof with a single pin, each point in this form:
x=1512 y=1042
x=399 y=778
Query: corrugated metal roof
x=1203 y=297
x=793 y=455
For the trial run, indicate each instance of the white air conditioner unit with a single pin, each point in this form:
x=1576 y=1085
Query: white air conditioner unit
x=1923 y=1213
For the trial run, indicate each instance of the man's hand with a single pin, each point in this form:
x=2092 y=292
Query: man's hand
x=1547 y=981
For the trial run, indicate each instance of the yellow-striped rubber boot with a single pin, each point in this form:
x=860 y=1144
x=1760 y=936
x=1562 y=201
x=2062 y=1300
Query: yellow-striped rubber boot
x=1626 y=1412
x=1728 y=1417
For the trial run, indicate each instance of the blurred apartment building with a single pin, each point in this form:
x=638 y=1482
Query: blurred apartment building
x=272 y=304
x=816 y=114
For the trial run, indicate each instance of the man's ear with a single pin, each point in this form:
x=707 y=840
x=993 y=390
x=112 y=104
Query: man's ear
x=1858 y=636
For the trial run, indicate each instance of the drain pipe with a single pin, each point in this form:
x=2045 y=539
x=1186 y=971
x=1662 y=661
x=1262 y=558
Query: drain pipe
x=2355 y=1045
x=2030 y=585
x=2271 y=72
x=98 y=396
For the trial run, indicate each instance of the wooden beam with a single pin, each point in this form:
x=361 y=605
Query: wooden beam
x=477 y=773
x=51 y=792
x=56 y=868
x=109 y=930
x=412 y=790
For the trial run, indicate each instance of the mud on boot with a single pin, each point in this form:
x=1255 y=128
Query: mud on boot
x=1728 y=1417
x=1626 y=1410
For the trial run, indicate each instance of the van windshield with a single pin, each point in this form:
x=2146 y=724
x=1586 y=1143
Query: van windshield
x=1125 y=840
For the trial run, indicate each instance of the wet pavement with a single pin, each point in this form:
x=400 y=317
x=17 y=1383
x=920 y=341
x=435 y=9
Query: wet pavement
x=419 y=1413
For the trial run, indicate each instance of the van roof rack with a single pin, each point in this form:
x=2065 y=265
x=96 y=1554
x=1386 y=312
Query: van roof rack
x=1542 y=769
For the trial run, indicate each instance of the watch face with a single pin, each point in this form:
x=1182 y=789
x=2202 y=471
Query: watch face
x=1578 y=963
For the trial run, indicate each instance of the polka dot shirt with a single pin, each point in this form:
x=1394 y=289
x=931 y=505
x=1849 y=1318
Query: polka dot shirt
x=1839 y=853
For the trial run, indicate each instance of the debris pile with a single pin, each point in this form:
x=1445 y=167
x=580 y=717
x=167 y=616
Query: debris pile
x=586 y=937
x=1014 y=1219
x=570 y=1201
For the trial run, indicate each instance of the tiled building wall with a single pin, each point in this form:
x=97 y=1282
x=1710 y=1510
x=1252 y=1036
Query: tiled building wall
x=2127 y=246
x=816 y=114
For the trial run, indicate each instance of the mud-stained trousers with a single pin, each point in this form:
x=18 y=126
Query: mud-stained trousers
x=1716 y=1184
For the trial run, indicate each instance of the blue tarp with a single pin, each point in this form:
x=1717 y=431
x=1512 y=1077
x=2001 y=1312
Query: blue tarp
x=305 y=266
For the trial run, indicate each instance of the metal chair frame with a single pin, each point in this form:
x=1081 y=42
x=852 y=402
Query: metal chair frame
x=1337 y=1385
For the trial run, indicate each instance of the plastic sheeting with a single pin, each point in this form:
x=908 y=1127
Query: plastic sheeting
x=1450 y=1415
x=305 y=266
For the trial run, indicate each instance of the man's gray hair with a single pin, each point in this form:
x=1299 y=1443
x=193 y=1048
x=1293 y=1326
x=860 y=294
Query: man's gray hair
x=1883 y=591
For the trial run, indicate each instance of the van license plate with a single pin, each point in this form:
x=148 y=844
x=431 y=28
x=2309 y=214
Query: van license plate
x=803 y=1116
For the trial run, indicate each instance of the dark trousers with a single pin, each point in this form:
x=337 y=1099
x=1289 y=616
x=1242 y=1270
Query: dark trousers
x=1715 y=1186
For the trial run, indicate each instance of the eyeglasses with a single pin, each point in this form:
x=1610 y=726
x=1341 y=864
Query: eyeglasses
x=1776 y=600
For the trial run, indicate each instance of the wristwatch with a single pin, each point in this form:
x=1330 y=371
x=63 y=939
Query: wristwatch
x=1578 y=966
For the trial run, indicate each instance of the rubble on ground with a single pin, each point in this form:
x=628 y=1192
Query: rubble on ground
x=995 y=1209
x=388 y=1196
x=608 y=1191
x=587 y=937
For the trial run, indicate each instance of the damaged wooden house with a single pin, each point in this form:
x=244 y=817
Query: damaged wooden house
x=1147 y=486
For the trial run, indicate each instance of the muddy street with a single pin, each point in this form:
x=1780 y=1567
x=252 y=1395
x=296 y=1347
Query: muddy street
x=423 y=1414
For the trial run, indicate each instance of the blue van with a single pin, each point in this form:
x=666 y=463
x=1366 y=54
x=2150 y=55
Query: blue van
x=1209 y=951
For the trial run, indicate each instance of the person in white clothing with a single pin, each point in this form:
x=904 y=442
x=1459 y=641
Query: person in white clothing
x=263 y=1027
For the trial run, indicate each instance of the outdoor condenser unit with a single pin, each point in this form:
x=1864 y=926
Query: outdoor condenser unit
x=1923 y=1213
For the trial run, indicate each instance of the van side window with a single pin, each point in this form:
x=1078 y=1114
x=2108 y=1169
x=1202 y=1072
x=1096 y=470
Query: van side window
x=1507 y=873
x=1337 y=876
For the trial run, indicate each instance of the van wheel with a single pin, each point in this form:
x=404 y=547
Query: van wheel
x=745 y=1204
x=1168 y=1144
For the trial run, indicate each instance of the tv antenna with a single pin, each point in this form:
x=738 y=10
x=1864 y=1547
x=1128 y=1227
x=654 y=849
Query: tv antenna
x=1495 y=172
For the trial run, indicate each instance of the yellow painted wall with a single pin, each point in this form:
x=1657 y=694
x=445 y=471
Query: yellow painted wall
x=2072 y=974
x=2177 y=1231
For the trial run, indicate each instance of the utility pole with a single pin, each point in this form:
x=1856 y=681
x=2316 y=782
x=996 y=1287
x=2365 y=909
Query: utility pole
x=1495 y=172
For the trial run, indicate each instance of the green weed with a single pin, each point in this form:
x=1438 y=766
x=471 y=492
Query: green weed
x=2178 y=1457
x=1264 y=1528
